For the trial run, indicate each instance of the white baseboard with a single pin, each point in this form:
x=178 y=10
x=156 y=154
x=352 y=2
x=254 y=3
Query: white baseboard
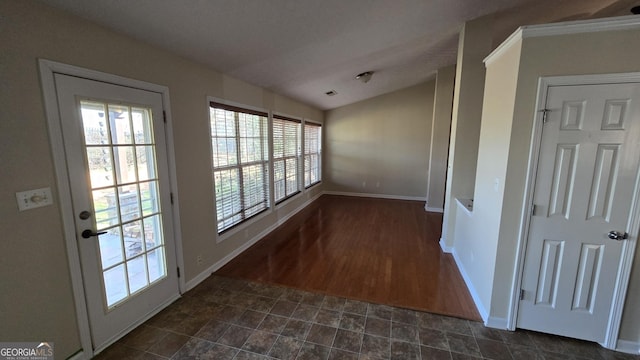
x=222 y=262
x=629 y=347
x=433 y=209
x=497 y=323
x=474 y=294
x=377 y=196
x=444 y=247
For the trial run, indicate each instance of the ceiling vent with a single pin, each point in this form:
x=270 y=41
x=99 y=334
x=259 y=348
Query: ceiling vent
x=331 y=93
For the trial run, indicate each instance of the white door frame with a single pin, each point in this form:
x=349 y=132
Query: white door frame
x=47 y=70
x=628 y=248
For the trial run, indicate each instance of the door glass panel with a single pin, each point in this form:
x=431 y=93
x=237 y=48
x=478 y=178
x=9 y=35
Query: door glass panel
x=115 y=283
x=137 y=272
x=95 y=125
x=149 y=198
x=133 y=239
x=105 y=208
x=153 y=231
x=111 y=248
x=146 y=163
x=142 y=126
x=125 y=159
x=120 y=124
x=100 y=166
x=121 y=159
x=128 y=196
x=157 y=268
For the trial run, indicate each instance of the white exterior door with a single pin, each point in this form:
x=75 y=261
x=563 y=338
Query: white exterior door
x=584 y=188
x=117 y=165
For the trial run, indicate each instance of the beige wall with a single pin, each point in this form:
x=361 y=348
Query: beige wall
x=475 y=44
x=440 y=132
x=585 y=53
x=476 y=238
x=35 y=289
x=381 y=145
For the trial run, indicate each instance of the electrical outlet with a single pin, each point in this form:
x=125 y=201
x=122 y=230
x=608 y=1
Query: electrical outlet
x=199 y=260
x=34 y=198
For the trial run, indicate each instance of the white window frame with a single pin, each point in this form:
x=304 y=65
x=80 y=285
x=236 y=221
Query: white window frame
x=297 y=157
x=306 y=153
x=245 y=220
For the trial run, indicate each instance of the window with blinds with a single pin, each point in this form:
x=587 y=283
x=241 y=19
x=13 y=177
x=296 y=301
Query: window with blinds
x=240 y=163
x=312 y=154
x=286 y=152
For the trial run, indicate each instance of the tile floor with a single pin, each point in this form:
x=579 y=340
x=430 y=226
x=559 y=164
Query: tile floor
x=224 y=318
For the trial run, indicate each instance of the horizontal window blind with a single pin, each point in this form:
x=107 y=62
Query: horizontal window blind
x=286 y=152
x=312 y=154
x=240 y=163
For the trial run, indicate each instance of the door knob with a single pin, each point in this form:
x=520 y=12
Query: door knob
x=616 y=235
x=89 y=233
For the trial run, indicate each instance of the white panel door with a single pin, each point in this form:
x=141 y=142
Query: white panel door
x=587 y=174
x=117 y=163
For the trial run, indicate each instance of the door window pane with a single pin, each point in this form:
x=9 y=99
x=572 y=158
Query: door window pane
x=137 y=273
x=142 y=129
x=157 y=267
x=153 y=232
x=115 y=283
x=149 y=197
x=146 y=163
x=105 y=208
x=120 y=124
x=111 y=251
x=125 y=159
x=121 y=158
x=100 y=166
x=94 y=123
x=129 y=202
x=132 y=234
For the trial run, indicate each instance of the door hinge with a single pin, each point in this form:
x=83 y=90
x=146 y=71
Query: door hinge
x=178 y=272
x=521 y=294
x=164 y=116
x=544 y=115
x=171 y=198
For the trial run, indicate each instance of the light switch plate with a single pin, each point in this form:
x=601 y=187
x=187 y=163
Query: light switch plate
x=31 y=199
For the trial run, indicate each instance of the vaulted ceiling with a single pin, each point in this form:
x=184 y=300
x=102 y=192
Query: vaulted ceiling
x=304 y=48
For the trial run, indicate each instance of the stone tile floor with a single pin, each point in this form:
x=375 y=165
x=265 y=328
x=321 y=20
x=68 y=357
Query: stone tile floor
x=225 y=318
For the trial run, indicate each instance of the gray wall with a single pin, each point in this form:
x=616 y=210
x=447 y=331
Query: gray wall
x=381 y=145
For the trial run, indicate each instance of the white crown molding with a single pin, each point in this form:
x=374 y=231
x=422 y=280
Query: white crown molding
x=565 y=28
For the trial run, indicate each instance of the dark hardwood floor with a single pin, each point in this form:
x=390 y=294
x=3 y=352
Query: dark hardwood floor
x=375 y=250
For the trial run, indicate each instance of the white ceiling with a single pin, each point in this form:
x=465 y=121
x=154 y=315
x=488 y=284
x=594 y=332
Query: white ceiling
x=304 y=48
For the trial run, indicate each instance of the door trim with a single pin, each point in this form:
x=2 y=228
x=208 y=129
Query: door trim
x=628 y=248
x=47 y=70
